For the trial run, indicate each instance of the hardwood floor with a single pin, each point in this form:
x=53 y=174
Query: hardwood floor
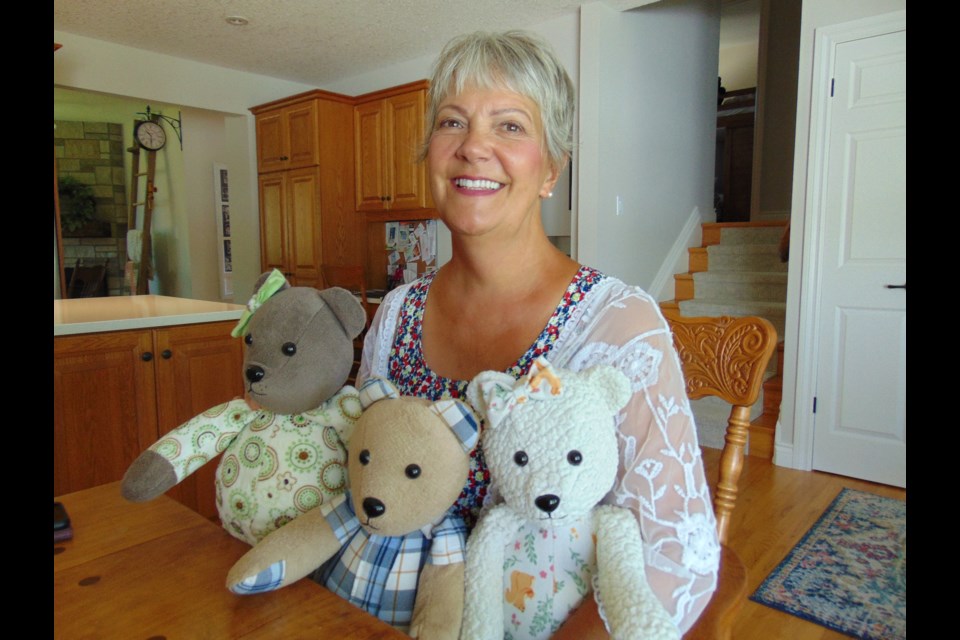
x=775 y=507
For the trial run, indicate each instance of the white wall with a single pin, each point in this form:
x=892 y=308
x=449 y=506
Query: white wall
x=815 y=13
x=738 y=66
x=137 y=77
x=647 y=129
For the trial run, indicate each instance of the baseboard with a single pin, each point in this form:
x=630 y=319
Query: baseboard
x=678 y=259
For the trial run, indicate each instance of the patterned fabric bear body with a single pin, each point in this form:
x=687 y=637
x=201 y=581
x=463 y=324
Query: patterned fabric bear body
x=547 y=573
x=274 y=466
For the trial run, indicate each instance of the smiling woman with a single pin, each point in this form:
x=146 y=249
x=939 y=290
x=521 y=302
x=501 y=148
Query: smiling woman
x=500 y=123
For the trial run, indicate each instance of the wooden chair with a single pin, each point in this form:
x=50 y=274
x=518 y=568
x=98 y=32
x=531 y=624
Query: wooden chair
x=725 y=357
x=86 y=281
x=352 y=278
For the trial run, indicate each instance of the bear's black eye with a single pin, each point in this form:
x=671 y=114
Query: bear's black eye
x=574 y=457
x=412 y=471
x=288 y=348
x=520 y=457
x=364 y=456
x=248 y=338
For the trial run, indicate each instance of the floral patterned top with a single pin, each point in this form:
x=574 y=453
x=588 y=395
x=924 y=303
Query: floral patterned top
x=601 y=320
x=413 y=377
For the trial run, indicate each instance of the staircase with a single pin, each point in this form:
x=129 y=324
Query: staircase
x=737 y=272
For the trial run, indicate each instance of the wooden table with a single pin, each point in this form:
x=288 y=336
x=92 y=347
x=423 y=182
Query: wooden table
x=157 y=571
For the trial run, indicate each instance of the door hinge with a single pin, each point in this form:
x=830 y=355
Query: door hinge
x=831 y=87
x=814 y=404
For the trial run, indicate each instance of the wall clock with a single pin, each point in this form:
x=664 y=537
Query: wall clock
x=151 y=135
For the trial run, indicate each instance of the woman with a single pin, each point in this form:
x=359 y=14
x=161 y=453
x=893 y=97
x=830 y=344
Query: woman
x=500 y=123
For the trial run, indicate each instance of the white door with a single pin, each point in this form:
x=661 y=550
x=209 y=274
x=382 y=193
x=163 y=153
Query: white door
x=860 y=421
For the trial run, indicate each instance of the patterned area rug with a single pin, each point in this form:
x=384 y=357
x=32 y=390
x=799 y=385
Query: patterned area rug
x=849 y=572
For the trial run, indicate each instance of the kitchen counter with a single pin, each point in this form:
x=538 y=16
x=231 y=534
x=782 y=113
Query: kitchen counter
x=119 y=313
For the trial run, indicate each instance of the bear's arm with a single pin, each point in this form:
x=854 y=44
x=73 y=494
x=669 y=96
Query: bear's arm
x=184 y=450
x=285 y=555
x=483 y=602
x=629 y=604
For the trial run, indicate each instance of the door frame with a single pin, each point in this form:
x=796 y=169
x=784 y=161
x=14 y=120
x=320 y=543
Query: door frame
x=825 y=42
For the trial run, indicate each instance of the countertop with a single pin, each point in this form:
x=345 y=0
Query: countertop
x=120 y=313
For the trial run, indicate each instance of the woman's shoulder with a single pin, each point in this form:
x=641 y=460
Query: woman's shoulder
x=613 y=307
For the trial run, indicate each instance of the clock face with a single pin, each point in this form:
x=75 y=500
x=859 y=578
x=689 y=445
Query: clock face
x=151 y=135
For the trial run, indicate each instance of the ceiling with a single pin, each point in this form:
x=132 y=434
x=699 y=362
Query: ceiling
x=315 y=42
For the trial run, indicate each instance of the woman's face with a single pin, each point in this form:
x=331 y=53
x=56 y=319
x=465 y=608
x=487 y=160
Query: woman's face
x=486 y=162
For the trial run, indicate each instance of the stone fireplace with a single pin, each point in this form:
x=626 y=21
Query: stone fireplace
x=92 y=153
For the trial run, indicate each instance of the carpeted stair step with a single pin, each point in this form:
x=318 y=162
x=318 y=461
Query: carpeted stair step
x=751 y=235
x=745 y=257
x=740 y=285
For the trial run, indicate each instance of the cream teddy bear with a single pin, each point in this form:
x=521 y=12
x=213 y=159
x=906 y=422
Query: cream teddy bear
x=550 y=443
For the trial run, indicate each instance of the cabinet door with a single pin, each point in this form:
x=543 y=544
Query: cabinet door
x=369 y=139
x=303 y=224
x=104 y=406
x=302 y=124
x=271 y=143
x=273 y=223
x=407 y=175
x=198 y=367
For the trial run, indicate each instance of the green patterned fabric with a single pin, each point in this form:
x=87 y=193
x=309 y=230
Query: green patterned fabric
x=274 y=467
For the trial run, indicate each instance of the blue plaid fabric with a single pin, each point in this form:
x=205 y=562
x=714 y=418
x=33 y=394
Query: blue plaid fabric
x=267 y=580
x=379 y=573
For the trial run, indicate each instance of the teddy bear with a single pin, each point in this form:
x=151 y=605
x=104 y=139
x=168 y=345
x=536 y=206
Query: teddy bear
x=392 y=545
x=283 y=446
x=550 y=442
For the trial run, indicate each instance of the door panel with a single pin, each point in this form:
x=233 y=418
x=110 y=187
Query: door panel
x=860 y=422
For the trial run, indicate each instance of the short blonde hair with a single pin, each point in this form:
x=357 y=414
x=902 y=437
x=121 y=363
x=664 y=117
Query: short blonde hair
x=515 y=60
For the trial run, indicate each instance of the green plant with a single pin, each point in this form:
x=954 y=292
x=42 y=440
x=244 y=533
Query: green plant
x=77 y=204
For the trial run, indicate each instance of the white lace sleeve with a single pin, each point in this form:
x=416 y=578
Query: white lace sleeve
x=380 y=335
x=661 y=476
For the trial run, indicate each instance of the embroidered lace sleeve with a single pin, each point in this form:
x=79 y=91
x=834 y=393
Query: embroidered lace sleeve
x=376 y=344
x=661 y=477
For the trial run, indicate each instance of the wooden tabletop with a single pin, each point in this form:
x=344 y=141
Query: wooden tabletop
x=157 y=570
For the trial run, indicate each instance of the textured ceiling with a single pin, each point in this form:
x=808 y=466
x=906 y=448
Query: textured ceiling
x=315 y=42
x=318 y=42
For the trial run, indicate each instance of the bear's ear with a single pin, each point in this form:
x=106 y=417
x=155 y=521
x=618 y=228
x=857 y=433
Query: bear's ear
x=348 y=310
x=489 y=393
x=612 y=385
x=375 y=389
x=461 y=420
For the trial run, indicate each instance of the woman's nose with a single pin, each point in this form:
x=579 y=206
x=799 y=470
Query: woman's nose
x=475 y=146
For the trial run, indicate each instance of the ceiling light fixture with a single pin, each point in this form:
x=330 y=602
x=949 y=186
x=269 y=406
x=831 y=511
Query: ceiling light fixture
x=237 y=21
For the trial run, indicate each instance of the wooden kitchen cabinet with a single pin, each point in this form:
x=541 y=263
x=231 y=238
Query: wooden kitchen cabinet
x=290 y=224
x=307 y=216
x=388 y=132
x=117 y=392
x=287 y=137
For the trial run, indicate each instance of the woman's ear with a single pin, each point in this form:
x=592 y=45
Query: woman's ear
x=555 y=171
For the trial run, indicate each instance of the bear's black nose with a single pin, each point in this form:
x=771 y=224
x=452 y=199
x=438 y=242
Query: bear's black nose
x=373 y=507
x=547 y=503
x=254 y=373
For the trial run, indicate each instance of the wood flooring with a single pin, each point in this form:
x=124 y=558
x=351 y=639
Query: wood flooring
x=775 y=507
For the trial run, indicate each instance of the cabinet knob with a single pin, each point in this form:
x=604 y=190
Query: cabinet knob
x=166 y=354
x=284 y=157
x=146 y=356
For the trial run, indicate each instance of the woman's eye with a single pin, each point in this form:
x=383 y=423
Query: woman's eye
x=449 y=123
x=512 y=127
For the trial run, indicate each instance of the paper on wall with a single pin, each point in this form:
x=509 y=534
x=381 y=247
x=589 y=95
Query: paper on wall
x=391 y=235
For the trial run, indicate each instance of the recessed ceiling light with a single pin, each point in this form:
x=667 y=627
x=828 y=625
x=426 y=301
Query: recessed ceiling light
x=237 y=21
